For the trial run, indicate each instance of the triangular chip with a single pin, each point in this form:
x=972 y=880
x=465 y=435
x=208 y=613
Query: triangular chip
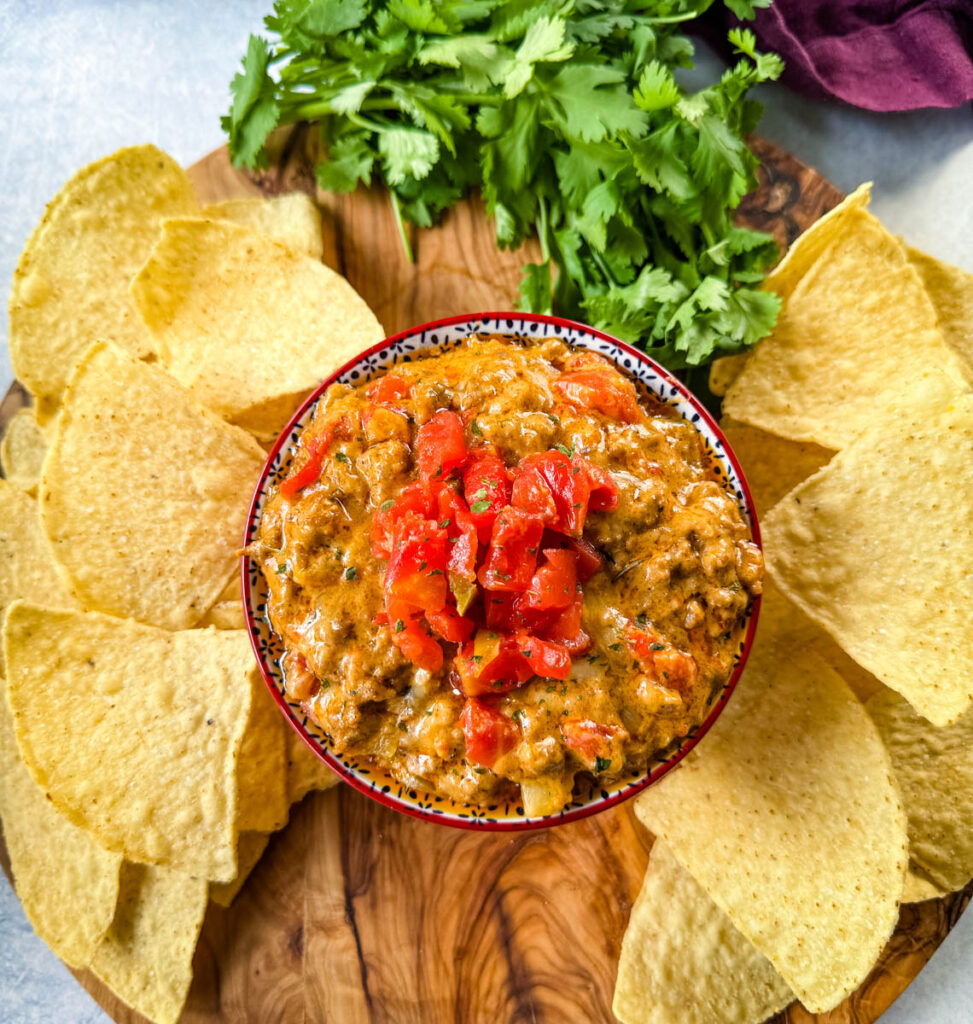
x=787 y=815
x=683 y=962
x=134 y=732
x=951 y=292
x=934 y=769
x=144 y=492
x=146 y=958
x=772 y=465
x=856 y=331
x=919 y=889
x=22 y=451
x=262 y=774
x=306 y=772
x=27 y=566
x=67 y=883
x=250 y=848
x=877 y=548
x=72 y=283
x=242 y=320
x=292 y=219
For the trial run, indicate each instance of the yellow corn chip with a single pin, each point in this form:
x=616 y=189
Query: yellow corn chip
x=856 y=332
x=772 y=465
x=262 y=773
x=72 y=283
x=919 y=889
x=146 y=958
x=877 y=548
x=250 y=848
x=22 y=451
x=67 y=883
x=934 y=770
x=225 y=615
x=144 y=492
x=787 y=816
x=683 y=962
x=243 y=321
x=305 y=771
x=725 y=370
x=134 y=732
x=292 y=219
x=27 y=566
x=951 y=292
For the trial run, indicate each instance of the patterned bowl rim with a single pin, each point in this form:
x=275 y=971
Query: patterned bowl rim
x=479 y=818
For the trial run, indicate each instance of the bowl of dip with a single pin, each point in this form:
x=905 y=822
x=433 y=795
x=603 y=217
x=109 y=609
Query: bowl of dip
x=502 y=571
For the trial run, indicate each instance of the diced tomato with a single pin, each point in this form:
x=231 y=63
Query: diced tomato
x=591 y=740
x=566 y=628
x=604 y=491
x=487 y=490
x=417 y=568
x=440 y=447
x=499 y=607
x=416 y=644
x=589 y=558
x=413 y=498
x=512 y=554
x=567 y=484
x=659 y=658
x=548 y=660
x=390 y=391
x=455 y=519
x=601 y=389
x=492 y=664
x=316 y=445
x=450 y=625
x=489 y=733
x=555 y=582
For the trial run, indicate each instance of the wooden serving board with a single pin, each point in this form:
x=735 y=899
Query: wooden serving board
x=360 y=914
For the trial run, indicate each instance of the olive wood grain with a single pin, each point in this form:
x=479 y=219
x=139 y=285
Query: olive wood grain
x=357 y=913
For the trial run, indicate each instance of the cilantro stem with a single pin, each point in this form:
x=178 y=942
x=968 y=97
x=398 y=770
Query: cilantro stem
x=602 y=265
x=403 y=233
x=542 y=228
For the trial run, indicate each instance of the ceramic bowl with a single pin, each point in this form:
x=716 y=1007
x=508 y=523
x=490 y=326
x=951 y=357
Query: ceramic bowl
x=589 y=796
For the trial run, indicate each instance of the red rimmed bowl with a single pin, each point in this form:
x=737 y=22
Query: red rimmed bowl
x=589 y=796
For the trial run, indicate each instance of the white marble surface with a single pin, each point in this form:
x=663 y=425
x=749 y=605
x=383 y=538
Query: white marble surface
x=78 y=80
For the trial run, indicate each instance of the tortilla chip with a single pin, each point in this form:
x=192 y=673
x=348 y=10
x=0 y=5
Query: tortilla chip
x=856 y=331
x=934 y=770
x=951 y=292
x=262 y=774
x=305 y=770
x=725 y=370
x=67 y=883
x=293 y=219
x=22 y=451
x=919 y=889
x=134 y=732
x=27 y=566
x=683 y=962
x=146 y=958
x=250 y=848
x=225 y=615
x=241 y=320
x=144 y=493
x=877 y=549
x=787 y=815
x=772 y=465
x=267 y=420
x=72 y=283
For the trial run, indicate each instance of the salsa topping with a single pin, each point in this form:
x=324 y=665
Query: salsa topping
x=510 y=567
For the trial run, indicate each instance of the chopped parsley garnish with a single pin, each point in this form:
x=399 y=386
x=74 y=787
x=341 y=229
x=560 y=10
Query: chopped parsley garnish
x=566 y=451
x=657 y=647
x=475 y=429
x=341 y=457
x=387 y=504
x=351 y=573
x=602 y=764
x=399 y=625
x=479 y=506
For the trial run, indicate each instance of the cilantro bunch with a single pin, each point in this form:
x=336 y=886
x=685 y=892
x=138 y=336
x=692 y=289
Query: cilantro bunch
x=568 y=118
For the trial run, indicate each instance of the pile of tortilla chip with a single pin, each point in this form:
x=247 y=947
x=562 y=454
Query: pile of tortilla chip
x=836 y=785
x=143 y=763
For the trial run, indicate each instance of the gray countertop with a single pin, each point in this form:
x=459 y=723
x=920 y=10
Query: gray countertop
x=79 y=80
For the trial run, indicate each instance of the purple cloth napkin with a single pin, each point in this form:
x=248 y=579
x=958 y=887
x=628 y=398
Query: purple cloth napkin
x=877 y=54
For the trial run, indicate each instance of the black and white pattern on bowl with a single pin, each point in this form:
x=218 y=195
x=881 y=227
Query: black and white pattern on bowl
x=589 y=797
